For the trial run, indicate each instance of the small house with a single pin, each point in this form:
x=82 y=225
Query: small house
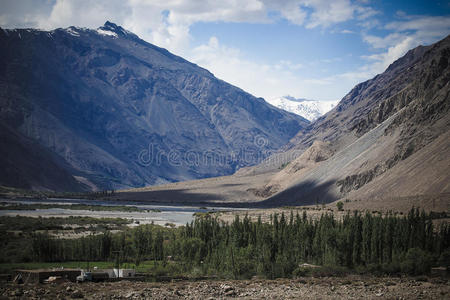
x=124 y=273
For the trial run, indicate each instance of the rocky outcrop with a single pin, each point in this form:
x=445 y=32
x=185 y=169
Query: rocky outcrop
x=354 y=182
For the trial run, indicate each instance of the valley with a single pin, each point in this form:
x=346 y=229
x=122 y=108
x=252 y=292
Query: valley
x=117 y=153
x=392 y=158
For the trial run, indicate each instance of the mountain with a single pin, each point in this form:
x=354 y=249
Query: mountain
x=308 y=109
x=26 y=164
x=388 y=137
x=109 y=110
x=385 y=146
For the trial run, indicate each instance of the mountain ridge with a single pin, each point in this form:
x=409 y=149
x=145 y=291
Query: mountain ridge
x=101 y=101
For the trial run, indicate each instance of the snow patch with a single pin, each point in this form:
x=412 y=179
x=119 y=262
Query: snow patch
x=71 y=31
x=106 y=32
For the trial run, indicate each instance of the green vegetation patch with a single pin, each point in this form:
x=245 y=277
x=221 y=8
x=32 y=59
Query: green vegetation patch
x=35 y=206
x=288 y=246
x=30 y=224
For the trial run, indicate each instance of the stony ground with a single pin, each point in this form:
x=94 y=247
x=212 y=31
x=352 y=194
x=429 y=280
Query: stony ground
x=350 y=287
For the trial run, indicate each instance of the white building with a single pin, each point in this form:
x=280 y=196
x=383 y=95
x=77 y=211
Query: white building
x=121 y=273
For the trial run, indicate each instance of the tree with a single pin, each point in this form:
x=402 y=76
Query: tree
x=140 y=244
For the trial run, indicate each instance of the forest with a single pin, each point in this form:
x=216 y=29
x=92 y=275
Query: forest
x=372 y=243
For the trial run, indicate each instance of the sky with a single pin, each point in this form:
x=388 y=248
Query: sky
x=314 y=49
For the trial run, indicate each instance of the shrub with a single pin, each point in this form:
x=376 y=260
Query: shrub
x=416 y=262
x=444 y=259
x=301 y=272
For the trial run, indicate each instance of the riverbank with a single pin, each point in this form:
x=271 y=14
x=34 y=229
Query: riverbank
x=137 y=212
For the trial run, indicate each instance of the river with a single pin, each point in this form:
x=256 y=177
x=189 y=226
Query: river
x=158 y=214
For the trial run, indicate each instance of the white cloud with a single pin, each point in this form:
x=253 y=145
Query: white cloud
x=382 y=60
x=167 y=23
x=229 y=64
x=25 y=13
x=161 y=19
x=83 y=13
x=290 y=10
x=383 y=42
x=262 y=80
x=422 y=29
x=172 y=31
x=408 y=33
x=369 y=23
x=163 y=22
x=288 y=65
x=421 y=23
x=327 y=13
x=365 y=12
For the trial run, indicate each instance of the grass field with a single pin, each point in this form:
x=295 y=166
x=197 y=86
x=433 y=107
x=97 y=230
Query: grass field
x=145 y=266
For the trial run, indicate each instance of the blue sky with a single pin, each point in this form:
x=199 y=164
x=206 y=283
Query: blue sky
x=313 y=49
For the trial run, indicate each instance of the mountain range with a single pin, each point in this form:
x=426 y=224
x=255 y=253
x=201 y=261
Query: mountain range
x=84 y=109
x=385 y=146
x=93 y=109
x=308 y=109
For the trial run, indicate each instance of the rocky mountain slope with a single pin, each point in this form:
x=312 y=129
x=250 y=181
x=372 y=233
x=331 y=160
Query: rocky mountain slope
x=308 y=109
x=112 y=111
x=28 y=165
x=388 y=136
x=386 y=145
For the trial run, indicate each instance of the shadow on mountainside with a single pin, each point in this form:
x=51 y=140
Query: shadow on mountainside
x=306 y=193
x=170 y=197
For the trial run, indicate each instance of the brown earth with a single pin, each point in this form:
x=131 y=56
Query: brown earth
x=348 y=287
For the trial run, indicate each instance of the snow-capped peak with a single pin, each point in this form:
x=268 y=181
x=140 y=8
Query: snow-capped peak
x=308 y=109
x=111 y=29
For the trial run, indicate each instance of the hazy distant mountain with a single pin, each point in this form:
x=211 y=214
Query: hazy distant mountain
x=111 y=110
x=308 y=109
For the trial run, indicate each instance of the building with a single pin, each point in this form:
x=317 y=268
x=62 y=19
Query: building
x=124 y=273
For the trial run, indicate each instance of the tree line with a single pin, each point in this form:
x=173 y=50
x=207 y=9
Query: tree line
x=244 y=248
